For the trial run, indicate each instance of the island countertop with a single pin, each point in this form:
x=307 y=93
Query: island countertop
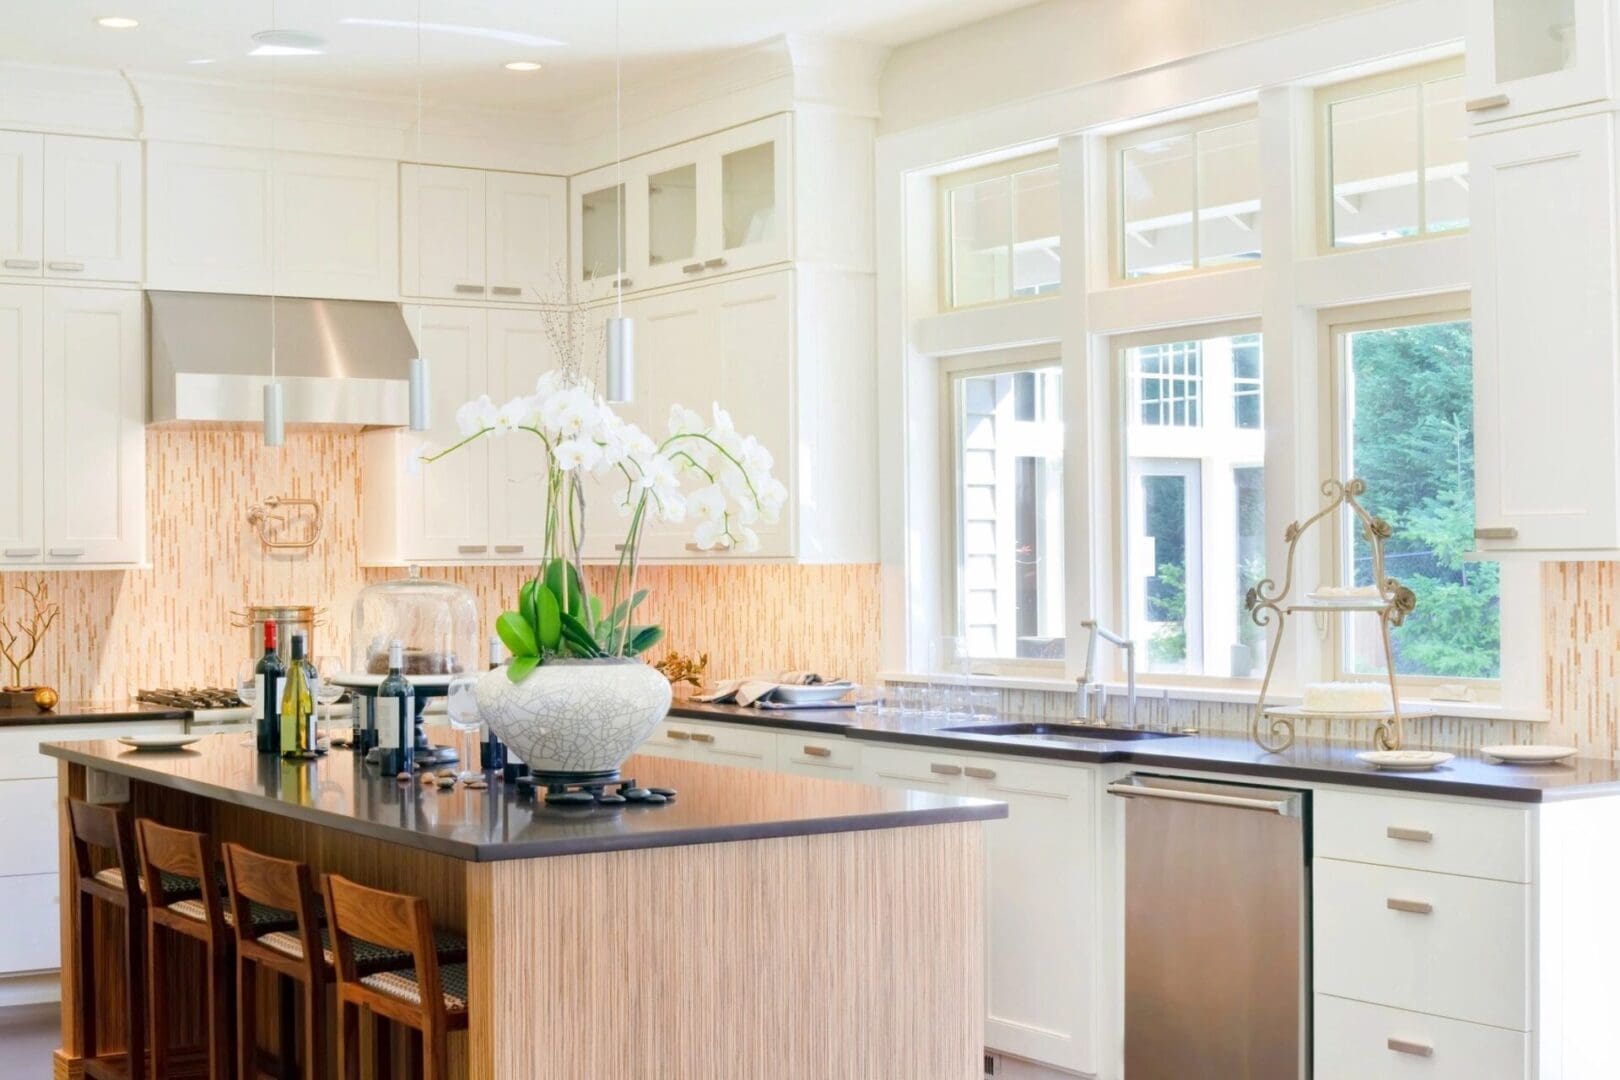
x=714 y=803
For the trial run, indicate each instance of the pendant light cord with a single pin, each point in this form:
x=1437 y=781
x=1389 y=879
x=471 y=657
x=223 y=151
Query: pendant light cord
x=419 y=159
x=618 y=157
x=270 y=190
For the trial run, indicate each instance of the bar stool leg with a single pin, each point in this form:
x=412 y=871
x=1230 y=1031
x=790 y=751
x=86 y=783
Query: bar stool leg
x=157 y=1010
x=247 y=1003
x=438 y=1063
x=416 y=1039
x=134 y=1005
x=220 y=1021
x=287 y=1020
x=348 y=1041
x=382 y=1038
x=85 y=916
x=314 y=1029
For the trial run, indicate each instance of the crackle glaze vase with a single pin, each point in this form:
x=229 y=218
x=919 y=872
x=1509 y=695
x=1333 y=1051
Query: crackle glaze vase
x=575 y=720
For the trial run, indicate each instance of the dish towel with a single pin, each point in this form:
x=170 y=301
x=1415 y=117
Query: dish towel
x=754 y=688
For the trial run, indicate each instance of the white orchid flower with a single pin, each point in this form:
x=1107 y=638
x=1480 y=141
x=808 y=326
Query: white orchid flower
x=475 y=416
x=571 y=454
x=708 y=503
x=416 y=458
x=747 y=540
x=683 y=421
x=722 y=420
x=511 y=416
x=708 y=534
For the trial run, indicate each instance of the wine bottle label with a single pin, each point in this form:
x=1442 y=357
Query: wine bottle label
x=258 y=691
x=388 y=723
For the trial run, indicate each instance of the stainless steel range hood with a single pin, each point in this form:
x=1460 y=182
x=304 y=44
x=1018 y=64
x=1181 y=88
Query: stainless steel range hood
x=338 y=361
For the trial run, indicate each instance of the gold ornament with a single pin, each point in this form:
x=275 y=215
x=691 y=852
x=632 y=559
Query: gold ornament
x=683 y=669
x=46 y=698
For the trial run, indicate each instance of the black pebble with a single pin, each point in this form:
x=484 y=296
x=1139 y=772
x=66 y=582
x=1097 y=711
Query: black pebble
x=612 y=800
x=571 y=798
x=653 y=799
x=667 y=793
x=635 y=794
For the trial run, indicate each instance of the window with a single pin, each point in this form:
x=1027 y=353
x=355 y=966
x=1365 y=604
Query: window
x=1186 y=196
x=1407 y=430
x=1001 y=226
x=1008 y=509
x=1194 y=500
x=1397 y=165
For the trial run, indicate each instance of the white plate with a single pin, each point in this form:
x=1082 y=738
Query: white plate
x=158 y=742
x=807 y=695
x=1404 y=760
x=363 y=680
x=1528 y=755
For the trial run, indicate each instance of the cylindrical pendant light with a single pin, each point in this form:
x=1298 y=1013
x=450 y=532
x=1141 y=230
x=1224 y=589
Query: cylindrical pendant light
x=421 y=418
x=275 y=428
x=620 y=332
x=621 y=360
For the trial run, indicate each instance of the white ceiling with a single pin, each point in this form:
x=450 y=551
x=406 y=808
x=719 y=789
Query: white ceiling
x=459 y=67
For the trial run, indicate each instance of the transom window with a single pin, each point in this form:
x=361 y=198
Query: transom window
x=1000 y=225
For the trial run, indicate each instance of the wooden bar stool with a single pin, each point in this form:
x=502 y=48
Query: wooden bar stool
x=429 y=997
x=107 y=828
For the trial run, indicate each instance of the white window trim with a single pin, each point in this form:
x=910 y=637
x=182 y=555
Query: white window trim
x=949 y=183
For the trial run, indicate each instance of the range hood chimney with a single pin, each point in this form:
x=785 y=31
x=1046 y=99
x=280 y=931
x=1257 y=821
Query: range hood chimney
x=338 y=361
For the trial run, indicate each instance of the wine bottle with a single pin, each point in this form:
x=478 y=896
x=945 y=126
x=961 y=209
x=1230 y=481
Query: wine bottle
x=267 y=687
x=298 y=704
x=395 y=711
x=491 y=751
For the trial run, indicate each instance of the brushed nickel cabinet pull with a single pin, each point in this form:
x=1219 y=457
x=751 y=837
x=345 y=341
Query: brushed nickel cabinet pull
x=57 y=264
x=621 y=547
x=1406 y=1046
x=21 y=553
x=477 y=290
x=66 y=552
x=22 y=264
x=471 y=549
x=702 y=736
x=1496 y=532
x=817 y=751
x=1415 y=907
x=979 y=773
x=624 y=283
x=713 y=264
x=692 y=268
x=699 y=549
x=509 y=549
x=1490 y=101
x=1417 y=836
x=679 y=736
x=945 y=770
x=507 y=290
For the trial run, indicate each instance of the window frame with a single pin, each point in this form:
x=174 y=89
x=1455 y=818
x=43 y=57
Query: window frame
x=1335 y=324
x=1418 y=75
x=1114 y=218
x=952 y=369
x=948 y=183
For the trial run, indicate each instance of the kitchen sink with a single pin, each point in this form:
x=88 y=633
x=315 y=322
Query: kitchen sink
x=1063 y=731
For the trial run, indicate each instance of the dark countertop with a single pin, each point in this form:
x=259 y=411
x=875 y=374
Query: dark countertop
x=1313 y=760
x=80 y=712
x=715 y=804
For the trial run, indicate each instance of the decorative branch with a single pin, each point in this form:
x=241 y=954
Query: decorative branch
x=34 y=626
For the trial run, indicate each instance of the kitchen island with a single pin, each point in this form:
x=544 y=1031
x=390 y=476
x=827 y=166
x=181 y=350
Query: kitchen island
x=758 y=925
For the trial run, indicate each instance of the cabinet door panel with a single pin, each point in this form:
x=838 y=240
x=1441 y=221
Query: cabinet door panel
x=753 y=345
x=450 y=499
x=1528 y=56
x=519 y=353
x=912 y=770
x=444 y=214
x=527 y=236
x=207 y=218
x=22 y=165
x=33 y=938
x=21 y=369
x=749 y=210
x=95 y=426
x=1544 y=337
x=92 y=209
x=336 y=227
x=28 y=843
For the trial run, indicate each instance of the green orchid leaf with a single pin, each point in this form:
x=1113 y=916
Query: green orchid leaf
x=596 y=610
x=526 y=603
x=577 y=637
x=643 y=638
x=563 y=580
x=517 y=635
x=548 y=619
x=522 y=667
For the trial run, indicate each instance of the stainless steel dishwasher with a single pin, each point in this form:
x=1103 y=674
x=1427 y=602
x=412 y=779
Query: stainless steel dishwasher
x=1217 y=930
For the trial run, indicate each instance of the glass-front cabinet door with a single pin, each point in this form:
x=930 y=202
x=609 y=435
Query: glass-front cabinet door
x=752 y=184
x=601 y=235
x=1529 y=56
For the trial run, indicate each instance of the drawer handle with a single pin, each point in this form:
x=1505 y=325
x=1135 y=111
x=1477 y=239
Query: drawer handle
x=1417 y=836
x=689 y=268
x=699 y=549
x=471 y=549
x=21 y=553
x=507 y=290
x=1496 y=532
x=477 y=290
x=979 y=773
x=681 y=736
x=713 y=264
x=702 y=736
x=945 y=770
x=57 y=264
x=1407 y=1046
x=1415 y=907
x=22 y=264
x=1490 y=101
x=66 y=552
x=817 y=751
x=509 y=549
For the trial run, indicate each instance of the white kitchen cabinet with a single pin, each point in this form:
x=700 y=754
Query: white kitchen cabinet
x=32 y=941
x=519 y=353
x=1530 y=56
x=92 y=209
x=739 y=745
x=1356 y=1040
x=830 y=757
x=215 y=214
x=21 y=372
x=94 y=421
x=472 y=235
x=1544 y=310
x=22 y=219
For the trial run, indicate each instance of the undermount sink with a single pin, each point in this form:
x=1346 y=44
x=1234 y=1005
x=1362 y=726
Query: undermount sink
x=1063 y=731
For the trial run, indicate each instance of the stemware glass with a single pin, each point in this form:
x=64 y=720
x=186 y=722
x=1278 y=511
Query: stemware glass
x=327 y=691
x=461 y=706
x=247 y=688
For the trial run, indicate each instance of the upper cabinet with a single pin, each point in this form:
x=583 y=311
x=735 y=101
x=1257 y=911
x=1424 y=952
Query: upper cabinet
x=476 y=235
x=1530 y=56
x=70 y=208
x=711 y=206
x=216 y=214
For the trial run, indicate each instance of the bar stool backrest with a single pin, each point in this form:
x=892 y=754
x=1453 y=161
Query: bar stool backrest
x=392 y=920
x=187 y=854
x=96 y=826
x=252 y=878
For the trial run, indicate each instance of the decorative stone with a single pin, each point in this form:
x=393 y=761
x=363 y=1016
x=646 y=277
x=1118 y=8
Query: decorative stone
x=446 y=783
x=612 y=800
x=668 y=793
x=571 y=798
x=403 y=778
x=635 y=794
x=654 y=799
x=478 y=785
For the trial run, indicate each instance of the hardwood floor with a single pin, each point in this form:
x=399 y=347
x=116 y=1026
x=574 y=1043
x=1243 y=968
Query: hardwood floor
x=28 y=1034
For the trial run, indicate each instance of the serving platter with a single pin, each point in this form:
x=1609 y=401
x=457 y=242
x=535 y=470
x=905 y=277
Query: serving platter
x=1404 y=760
x=1535 y=754
x=158 y=742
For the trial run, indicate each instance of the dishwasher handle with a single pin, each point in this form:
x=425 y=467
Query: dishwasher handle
x=1284 y=803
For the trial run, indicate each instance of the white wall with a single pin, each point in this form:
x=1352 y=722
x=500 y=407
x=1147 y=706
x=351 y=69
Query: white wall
x=1060 y=44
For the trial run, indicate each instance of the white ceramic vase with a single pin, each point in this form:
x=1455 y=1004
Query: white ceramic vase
x=577 y=718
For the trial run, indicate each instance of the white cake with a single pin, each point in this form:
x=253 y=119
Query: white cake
x=1346 y=697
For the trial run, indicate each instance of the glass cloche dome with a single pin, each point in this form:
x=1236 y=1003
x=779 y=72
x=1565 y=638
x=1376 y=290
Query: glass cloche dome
x=436 y=621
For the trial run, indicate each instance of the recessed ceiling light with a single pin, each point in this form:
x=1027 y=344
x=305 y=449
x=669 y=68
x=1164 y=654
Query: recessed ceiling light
x=118 y=22
x=201 y=60
x=522 y=65
x=513 y=37
x=286 y=43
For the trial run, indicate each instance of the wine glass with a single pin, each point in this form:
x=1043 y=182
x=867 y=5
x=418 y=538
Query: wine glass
x=247 y=688
x=461 y=706
x=327 y=690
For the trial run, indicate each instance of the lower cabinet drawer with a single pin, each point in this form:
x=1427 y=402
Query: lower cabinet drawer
x=1433 y=943
x=28 y=827
x=33 y=936
x=734 y=744
x=1357 y=1041
x=817 y=755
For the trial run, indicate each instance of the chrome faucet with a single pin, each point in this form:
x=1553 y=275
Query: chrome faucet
x=1090 y=695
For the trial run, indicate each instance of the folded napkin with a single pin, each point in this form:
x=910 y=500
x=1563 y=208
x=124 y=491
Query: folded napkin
x=755 y=688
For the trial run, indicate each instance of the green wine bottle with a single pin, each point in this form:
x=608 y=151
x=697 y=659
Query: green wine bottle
x=298 y=705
